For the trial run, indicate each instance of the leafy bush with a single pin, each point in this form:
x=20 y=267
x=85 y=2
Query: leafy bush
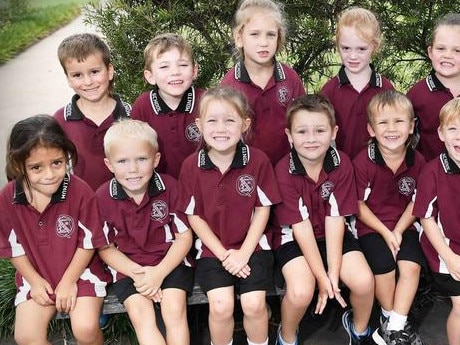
x=129 y=24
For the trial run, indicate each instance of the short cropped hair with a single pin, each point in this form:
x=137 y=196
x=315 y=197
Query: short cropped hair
x=313 y=103
x=450 y=19
x=449 y=113
x=130 y=128
x=163 y=43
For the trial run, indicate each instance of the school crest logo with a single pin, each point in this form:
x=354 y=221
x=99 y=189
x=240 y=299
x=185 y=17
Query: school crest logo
x=245 y=185
x=65 y=226
x=406 y=185
x=283 y=96
x=159 y=210
x=192 y=133
x=326 y=190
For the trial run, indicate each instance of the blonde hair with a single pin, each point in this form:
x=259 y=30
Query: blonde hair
x=449 y=113
x=226 y=94
x=244 y=13
x=163 y=43
x=364 y=22
x=129 y=128
x=393 y=99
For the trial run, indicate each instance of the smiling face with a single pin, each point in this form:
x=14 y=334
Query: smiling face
x=45 y=168
x=311 y=135
x=89 y=78
x=132 y=161
x=173 y=72
x=259 y=39
x=445 y=51
x=221 y=126
x=354 y=52
x=391 y=127
x=449 y=133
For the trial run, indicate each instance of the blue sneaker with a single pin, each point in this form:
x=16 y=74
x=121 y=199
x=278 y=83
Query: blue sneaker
x=279 y=340
x=103 y=321
x=347 y=322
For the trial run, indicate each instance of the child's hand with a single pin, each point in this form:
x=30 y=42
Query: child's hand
x=66 y=296
x=235 y=261
x=244 y=273
x=335 y=288
x=392 y=242
x=40 y=292
x=325 y=292
x=149 y=282
x=453 y=265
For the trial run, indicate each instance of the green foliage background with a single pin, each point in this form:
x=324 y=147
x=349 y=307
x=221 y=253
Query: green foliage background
x=129 y=24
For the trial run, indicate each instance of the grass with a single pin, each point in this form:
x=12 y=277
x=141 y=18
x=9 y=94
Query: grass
x=25 y=26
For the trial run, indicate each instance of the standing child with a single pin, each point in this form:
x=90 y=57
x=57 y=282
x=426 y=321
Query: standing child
x=49 y=230
x=318 y=189
x=259 y=32
x=431 y=93
x=149 y=238
x=358 y=38
x=386 y=175
x=437 y=205
x=85 y=59
x=171 y=106
x=227 y=189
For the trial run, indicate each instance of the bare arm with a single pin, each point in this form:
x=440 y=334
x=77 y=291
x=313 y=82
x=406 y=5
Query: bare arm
x=201 y=228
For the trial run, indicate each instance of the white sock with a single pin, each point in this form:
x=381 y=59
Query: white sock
x=385 y=313
x=396 y=321
x=264 y=343
x=230 y=343
x=284 y=342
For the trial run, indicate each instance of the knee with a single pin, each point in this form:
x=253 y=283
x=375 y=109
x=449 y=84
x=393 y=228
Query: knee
x=254 y=307
x=364 y=285
x=221 y=309
x=87 y=332
x=174 y=313
x=24 y=339
x=299 y=297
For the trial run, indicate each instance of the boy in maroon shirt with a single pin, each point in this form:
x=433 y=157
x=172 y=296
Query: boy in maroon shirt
x=437 y=205
x=386 y=174
x=86 y=61
x=149 y=239
x=171 y=106
x=318 y=189
x=358 y=38
x=443 y=84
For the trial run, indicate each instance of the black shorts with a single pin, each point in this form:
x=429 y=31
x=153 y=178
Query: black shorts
x=180 y=278
x=291 y=250
x=445 y=284
x=379 y=256
x=210 y=274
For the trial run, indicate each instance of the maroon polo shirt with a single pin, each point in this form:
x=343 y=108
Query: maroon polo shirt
x=351 y=109
x=387 y=194
x=89 y=139
x=227 y=201
x=50 y=239
x=269 y=106
x=428 y=96
x=178 y=135
x=438 y=196
x=144 y=232
x=334 y=194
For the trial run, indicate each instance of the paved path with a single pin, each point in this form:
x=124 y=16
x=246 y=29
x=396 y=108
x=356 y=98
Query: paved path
x=33 y=83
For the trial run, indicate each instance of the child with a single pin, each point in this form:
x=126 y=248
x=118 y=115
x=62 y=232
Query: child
x=318 y=189
x=85 y=59
x=227 y=189
x=149 y=238
x=171 y=106
x=431 y=93
x=358 y=38
x=437 y=205
x=386 y=175
x=259 y=32
x=49 y=230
